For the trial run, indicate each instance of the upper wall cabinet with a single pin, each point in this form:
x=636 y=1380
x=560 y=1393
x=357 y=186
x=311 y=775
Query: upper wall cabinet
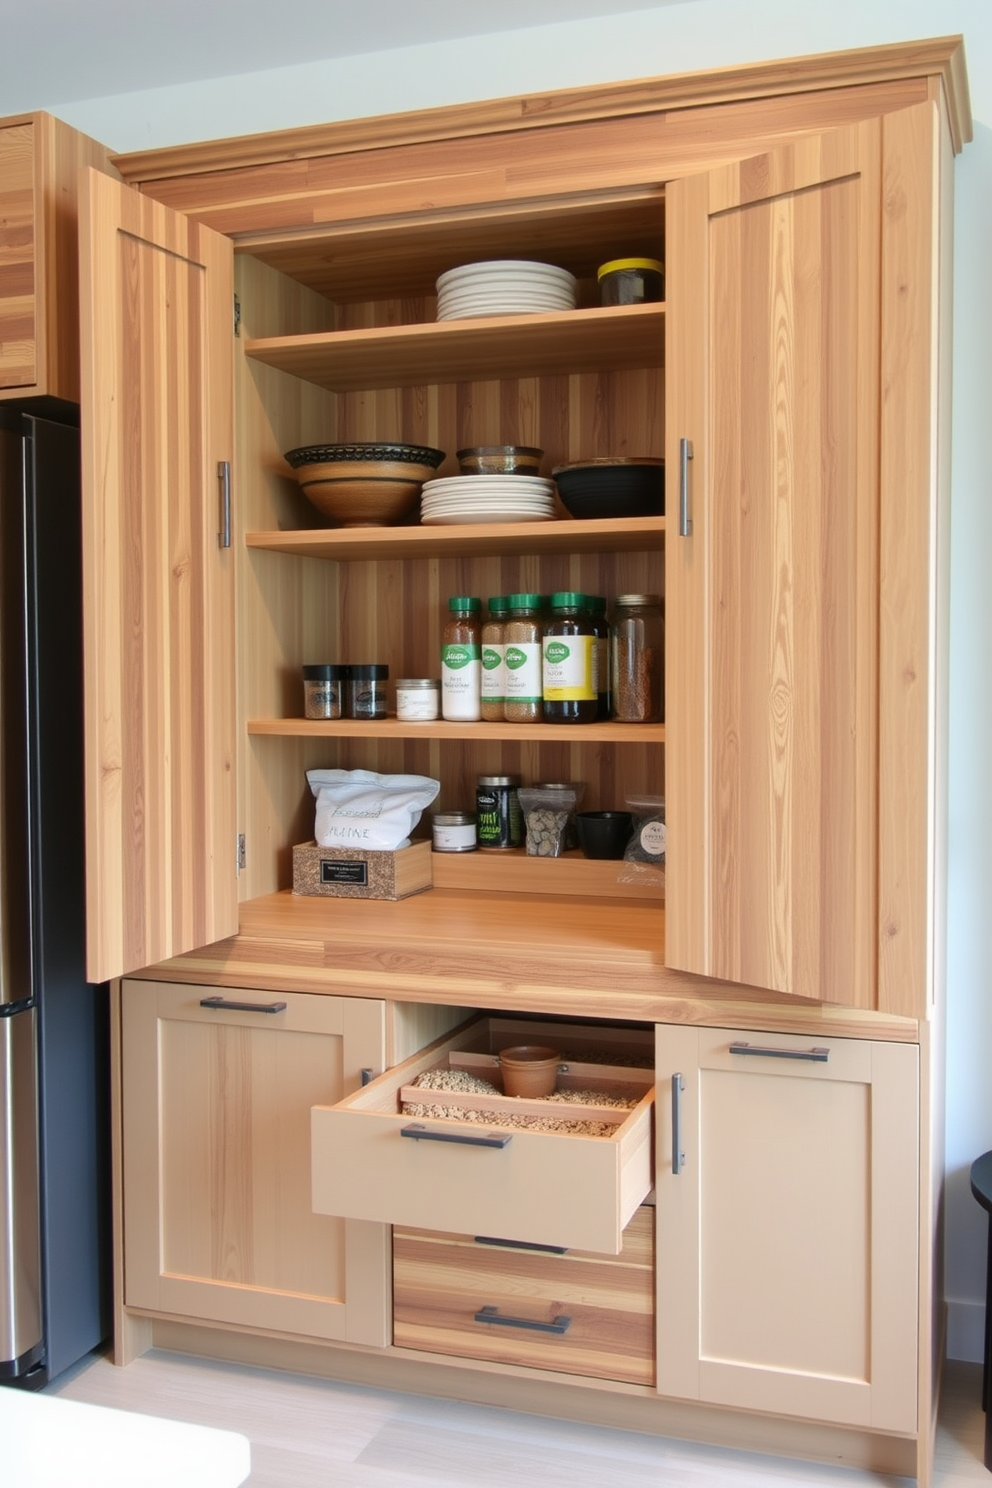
x=802 y=597
x=40 y=158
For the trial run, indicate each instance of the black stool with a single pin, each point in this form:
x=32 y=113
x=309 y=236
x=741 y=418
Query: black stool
x=981 y=1187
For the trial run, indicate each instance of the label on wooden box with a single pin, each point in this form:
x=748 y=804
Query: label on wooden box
x=361 y=873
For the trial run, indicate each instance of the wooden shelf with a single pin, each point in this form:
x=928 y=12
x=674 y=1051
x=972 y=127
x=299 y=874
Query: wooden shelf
x=602 y=339
x=390 y=728
x=467 y=540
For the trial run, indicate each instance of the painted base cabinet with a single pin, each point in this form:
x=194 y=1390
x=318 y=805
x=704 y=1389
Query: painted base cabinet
x=788 y=1203
x=216 y=1173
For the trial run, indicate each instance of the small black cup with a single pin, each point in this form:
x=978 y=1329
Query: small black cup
x=603 y=834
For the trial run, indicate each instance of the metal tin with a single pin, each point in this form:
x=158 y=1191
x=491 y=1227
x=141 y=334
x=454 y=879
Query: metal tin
x=454 y=831
x=418 y=699
x=500 y=823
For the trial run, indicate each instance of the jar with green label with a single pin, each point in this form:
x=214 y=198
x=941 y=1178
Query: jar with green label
x=461 y=660
x=524 y=636
x=493 y=667
x=570 y=683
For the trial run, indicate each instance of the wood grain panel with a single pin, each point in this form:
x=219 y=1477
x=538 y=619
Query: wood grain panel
x=218 y=1222
x=18 y=301
x=776 y=823
x=421 y=174
x=441 y=1281
x=158 y=588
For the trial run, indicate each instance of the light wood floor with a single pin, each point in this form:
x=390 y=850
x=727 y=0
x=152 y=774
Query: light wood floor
x=308 y=1433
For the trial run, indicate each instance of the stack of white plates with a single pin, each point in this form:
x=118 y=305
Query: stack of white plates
x=504 y=287
x=487 y=498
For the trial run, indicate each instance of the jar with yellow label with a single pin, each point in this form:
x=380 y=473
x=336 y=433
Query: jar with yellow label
x=569 y=674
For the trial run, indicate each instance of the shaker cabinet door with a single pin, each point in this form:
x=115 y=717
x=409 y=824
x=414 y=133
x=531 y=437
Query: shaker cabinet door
x=157 y=421
x=801 y=607
x=788 y=1197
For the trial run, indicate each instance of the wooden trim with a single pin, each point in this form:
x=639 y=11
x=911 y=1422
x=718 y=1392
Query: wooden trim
x=941 y=55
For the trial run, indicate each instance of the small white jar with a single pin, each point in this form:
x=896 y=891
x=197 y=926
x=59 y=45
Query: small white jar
x=417 y=699
x=454 y=831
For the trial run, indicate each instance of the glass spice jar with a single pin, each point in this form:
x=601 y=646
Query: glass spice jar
x=323 y=687
x=461 y=663
x=493 y=679
x=524 y=635
x=638 y=659
x=367 y=690
x=571 y=691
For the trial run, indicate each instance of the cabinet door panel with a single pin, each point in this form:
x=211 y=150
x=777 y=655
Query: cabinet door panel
x=783 y=299
x=158 y=587
x=791 y=1284
x=218 y=1216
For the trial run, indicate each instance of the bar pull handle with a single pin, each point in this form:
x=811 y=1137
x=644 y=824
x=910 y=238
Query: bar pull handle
x=678 y=1156
x=492 y=1315
x=812 y=1056
x=685 y=455
x=420 y=1133
x=222 y=1003
x=224 y=476
x=521 y=1245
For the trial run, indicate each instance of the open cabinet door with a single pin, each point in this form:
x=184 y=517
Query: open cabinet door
x=156 y=326
x=800 y=590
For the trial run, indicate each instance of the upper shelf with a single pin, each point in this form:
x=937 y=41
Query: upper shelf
x=613 y=338
x=482 y=540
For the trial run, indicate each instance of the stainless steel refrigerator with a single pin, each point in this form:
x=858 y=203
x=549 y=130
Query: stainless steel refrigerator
x=54 y=1119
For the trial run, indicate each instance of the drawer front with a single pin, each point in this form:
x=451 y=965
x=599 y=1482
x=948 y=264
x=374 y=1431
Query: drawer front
x=577 y=1312
x=370 y=1161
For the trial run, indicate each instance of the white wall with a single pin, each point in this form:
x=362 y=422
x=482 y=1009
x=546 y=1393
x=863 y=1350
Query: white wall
x=685 y=37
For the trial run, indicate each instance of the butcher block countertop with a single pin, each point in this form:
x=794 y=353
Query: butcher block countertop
x=580 y=957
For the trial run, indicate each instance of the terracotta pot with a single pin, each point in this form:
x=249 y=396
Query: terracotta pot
x=529 y=1069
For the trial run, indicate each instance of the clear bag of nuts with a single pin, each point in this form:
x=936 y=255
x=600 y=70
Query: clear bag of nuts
x=548 y=812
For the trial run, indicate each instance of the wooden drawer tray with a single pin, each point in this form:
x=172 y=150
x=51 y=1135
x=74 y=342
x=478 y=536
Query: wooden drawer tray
x=464 y=1173
x=574 y=1311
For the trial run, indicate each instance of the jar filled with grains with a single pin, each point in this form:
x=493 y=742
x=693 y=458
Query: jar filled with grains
x=638 y=659
x=323 y=690
x=523 y=633
x=493 y=680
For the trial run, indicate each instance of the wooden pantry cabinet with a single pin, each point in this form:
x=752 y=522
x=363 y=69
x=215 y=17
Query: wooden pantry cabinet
x=40 y=159
x=794 y=382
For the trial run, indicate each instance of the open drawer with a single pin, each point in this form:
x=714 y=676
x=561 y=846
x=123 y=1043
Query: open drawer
x=494 y=1165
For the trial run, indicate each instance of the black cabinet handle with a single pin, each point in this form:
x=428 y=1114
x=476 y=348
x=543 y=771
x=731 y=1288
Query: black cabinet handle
x=421 y=1134
x=224 y=1004
x=521 y=1245
x=492 y=1315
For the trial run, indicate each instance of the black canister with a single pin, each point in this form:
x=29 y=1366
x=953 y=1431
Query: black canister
x=367 y=690
x=499 y=822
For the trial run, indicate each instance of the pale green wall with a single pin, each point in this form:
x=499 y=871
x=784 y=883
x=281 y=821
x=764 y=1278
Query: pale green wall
x=703 y=34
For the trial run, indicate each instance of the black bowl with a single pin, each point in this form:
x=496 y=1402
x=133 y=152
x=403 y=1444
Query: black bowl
x=604 y=834
x=612 y=488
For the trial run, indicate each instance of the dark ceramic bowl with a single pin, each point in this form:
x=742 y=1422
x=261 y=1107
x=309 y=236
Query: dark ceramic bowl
x=604 y=834
x=364 y=485
x=612 y=488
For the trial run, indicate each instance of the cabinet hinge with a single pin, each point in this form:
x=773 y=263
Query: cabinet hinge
x=237 y=316
x=241 y=852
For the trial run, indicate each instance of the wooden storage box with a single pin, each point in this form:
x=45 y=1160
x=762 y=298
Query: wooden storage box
x=574 y=1311
x=357 y=873
x=561 y=1186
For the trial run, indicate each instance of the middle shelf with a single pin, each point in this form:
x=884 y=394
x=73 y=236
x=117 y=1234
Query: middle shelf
x=607 y=732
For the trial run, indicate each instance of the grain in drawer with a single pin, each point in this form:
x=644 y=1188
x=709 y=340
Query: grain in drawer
x=464 y=1171
x=577 y=1312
